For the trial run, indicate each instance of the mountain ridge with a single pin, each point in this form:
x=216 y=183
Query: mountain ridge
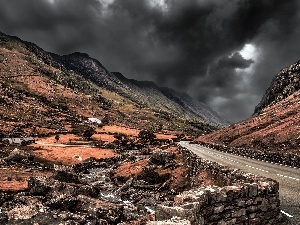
x=99 y=91
x=112 y=79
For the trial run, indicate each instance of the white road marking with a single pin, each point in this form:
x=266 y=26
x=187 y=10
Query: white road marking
x=286 y=214
x=266 y=171
x=256 y=168
x=294 y=178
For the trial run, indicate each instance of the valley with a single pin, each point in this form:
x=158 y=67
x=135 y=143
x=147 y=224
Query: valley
x=136 y=166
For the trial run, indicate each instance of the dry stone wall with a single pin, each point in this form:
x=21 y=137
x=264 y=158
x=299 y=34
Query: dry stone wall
x=245 y=198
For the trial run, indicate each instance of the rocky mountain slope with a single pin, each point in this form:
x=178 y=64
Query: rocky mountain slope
x=285 y=83
x=145 y=94
x=44 y=92
x=275 y=126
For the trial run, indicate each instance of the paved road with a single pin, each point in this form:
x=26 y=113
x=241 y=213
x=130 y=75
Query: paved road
x=288 y=178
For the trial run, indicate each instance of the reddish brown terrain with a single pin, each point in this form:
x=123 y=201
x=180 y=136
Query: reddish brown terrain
x=77 y=172
x=117 y=168
x=64 y=168
x=15 y=179
x=44 y=93
x=70 y=149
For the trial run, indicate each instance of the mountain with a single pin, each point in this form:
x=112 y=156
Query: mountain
x=285 y=83
x=46 y=93
x=145 y=94
x=275 y=125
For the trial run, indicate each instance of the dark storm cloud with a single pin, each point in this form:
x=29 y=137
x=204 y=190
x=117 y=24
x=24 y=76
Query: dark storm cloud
x=235 y=61
x=223 y=74
x=227 y=86
x=189 y=45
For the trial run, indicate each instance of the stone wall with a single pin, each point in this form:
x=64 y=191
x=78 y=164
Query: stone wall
x=246 y=198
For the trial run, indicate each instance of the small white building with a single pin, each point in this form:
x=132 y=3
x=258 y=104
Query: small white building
x=94 y=120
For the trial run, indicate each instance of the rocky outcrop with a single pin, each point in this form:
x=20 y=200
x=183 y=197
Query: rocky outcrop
x=19 y=156
x=284 y=84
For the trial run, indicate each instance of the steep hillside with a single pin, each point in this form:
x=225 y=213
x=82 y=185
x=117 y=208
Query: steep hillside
x=276 y=125
x=45 y=93
x=41 y=95
x=165 y=100
x=145 y=94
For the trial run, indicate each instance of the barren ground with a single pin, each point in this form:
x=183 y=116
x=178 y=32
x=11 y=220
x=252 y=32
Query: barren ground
x=71 y=149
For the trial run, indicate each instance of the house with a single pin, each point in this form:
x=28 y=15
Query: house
x=94 y=120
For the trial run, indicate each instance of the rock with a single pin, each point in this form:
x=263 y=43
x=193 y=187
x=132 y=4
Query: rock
x=264 y=206
x=88 y=191
x=239 y=213
x=64 y=173
x=101 y=209
x=3 y=218
x=22 y=212
x=19 y=156
x=70 y=218
x=125 y=186
x=255 y=221
x=63 y=202
x=152 y=177
x=219 y=209
x=253 y=190
x=173 y=221
x=167 y=213
x=162 y=157
x=2 y=58
x=240 y=203
x=38 y=186
x=251 y=209
x=285 y=83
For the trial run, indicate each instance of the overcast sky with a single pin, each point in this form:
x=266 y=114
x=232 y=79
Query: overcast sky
x=221 y=52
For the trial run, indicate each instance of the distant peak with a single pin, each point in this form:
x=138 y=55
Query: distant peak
x=120 y=76
x=79 y=54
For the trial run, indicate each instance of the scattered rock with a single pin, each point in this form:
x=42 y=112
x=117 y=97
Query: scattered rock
x=19 y=156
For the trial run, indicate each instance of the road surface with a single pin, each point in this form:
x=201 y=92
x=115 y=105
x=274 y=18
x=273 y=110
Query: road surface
x=288 y=178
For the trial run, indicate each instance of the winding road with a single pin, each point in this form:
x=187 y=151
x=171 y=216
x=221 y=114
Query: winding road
x=288 y=178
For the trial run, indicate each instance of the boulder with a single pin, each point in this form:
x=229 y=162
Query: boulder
x=65 y=174
x=160 y=157
x=19 y=156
